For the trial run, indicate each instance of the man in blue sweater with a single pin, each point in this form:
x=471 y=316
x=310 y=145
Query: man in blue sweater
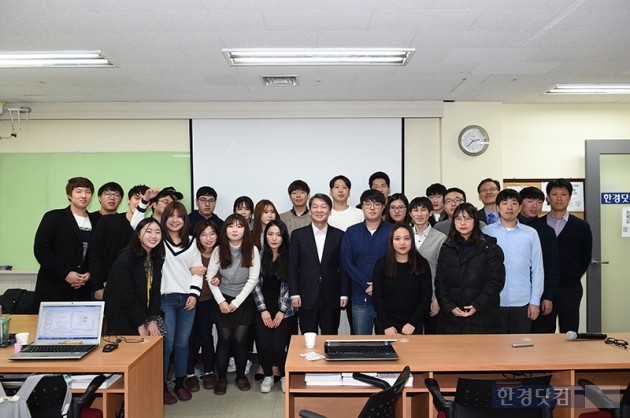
x=362 y=245
x=575 y=244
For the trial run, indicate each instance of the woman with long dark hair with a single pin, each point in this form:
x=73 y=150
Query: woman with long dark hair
x=182 y=276
x=206 y=236
x=396 y=209
x=470 y=275
x=401 y=285
x=132 y=295
x=276 y=319
x=264 y=212
x=237 y=262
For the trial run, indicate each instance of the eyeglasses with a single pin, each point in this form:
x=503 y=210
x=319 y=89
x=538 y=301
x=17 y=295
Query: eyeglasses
x=206 y=201
x=397 y=208
x=490 y=190
x=375 y=205
x=112 y=195
x=117 y=339
x=618 y=343
x=463 y=219
x=456 y=201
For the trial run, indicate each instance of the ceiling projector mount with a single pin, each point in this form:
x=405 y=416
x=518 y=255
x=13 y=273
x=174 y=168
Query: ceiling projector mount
x=17 y=115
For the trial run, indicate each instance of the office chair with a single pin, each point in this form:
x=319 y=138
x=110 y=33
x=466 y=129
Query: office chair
x=480 y=398
x=48 y=399
x=380 y=404
x=608 y=407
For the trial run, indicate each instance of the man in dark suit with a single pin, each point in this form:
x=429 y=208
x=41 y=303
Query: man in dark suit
x=61 y=244
x=488 y=190
x=317 y=283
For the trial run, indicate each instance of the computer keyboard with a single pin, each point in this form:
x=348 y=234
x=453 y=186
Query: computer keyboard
x=58 y=348
x=360 y=349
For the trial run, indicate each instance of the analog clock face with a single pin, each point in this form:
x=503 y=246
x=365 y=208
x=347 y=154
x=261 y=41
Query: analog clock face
x=473 y=140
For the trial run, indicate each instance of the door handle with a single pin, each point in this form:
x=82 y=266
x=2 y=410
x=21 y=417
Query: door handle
x=599 y=262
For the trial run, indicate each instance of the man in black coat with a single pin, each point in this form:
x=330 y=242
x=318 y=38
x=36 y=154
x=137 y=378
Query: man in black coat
x=317 y=284
x=61 y=244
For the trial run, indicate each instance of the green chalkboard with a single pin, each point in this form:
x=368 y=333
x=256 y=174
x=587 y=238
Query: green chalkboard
x=32 y=184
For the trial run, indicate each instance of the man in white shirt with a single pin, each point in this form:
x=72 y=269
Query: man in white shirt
x=342 y=215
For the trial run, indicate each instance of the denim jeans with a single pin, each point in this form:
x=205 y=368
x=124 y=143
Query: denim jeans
x=362 y=319
x=179 y=323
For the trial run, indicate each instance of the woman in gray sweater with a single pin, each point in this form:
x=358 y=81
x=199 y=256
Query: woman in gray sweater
x=237 y=263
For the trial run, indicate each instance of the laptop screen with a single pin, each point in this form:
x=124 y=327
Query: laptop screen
x=64 y=321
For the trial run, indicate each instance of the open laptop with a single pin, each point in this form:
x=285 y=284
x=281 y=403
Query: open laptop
x=65 y=330
x=360 y=350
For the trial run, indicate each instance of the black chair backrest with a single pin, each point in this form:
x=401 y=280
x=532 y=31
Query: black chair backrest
x=383 y=404
x=85 y=400
x=599 y=398
x=527 y=397
x=46 y=400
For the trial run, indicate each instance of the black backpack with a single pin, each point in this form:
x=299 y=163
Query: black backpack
x=18 y=301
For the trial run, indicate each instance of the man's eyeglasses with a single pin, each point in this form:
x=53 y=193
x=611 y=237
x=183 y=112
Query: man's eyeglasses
x=618 y=343
x=112 y=195
x=375 y=205
x=453 y=201
x=206 y=201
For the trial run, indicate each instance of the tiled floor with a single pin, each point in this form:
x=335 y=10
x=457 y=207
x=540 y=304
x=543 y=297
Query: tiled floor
x=233 y=404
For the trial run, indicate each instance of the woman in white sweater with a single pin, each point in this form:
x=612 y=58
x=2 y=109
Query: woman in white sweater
x=237 y=263
x=182 y=275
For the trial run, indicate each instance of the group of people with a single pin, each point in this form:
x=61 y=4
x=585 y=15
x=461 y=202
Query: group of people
x=434 y=264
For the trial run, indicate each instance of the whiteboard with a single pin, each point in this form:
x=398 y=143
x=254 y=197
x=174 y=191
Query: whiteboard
x=260 y=157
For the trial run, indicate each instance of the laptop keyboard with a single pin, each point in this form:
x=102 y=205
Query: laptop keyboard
x=360 y=349
x=59 y=348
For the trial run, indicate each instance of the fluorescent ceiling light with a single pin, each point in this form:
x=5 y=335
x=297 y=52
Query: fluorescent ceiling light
x=590 y=89
x=35 y=59
x=317 y=56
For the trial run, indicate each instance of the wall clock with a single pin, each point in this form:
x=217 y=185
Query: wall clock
x=473 y=140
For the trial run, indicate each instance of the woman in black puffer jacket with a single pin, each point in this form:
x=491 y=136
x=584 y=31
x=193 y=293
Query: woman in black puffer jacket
x=470 y=275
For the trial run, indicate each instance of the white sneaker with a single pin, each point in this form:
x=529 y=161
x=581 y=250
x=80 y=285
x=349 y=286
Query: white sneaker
x=282 y=384
x=231 y=366
x=267 y=384
x=248 y=366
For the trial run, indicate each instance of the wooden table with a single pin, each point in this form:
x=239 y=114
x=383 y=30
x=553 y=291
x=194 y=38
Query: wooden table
x=140 y=364
x=447 y=357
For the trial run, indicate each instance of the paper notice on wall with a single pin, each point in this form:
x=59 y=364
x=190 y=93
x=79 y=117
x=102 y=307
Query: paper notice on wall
x=625 y=222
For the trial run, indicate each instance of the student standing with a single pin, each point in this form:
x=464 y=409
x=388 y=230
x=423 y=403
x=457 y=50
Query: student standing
x=264 y=212
x=470 y=276
x=396 y=209
x=524 y=275
x=132 y=298
x=61 y=245
x=180 y=291
x=206 y=235
x=428 y=241
x=401 y=285
x=276 y=317
x=298 y=215
x=237 y=262
x=342 y=214
x=244 y=205
x=109 y=196
x=206 y=199
x=533 y=199
x=111 y=235
x=362 y=245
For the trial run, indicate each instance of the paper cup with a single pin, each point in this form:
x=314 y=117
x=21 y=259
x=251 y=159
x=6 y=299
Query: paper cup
x=309 y=339
x=21 y=338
